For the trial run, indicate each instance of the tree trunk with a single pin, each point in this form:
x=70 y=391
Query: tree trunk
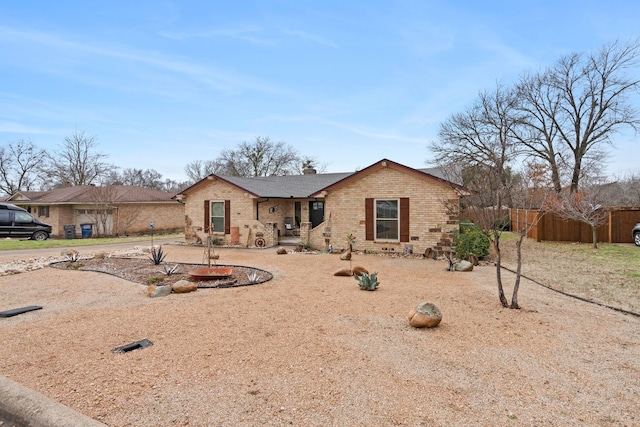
x=516 y=286
x=496 y=246
x=594 y=233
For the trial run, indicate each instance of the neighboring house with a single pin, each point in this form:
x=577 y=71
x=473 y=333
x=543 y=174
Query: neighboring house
x=386 y=206
x=112 y=210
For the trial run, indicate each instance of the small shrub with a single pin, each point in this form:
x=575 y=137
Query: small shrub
x=100 y=256
x=471 y=240
x=368 y=282
x=157 y=256
x=153 y=280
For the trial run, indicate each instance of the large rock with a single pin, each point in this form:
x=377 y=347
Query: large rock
x=281 y=251
x=357 y=271
x=343 y=272
x=463 y=266
x=183 y=287
x=425 y=315
x=158 y=291
x=346 y=256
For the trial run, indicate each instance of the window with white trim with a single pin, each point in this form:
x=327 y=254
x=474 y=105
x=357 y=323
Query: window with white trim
x=387 y=220
x=216 y=213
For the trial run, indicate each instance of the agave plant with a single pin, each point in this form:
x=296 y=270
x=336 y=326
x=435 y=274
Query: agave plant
x=168 y=270
x=72 y=256
x=368 y=282
x=254 y=277
x=157 y=256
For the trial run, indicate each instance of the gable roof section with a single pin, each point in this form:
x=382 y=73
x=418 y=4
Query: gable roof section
x=430 y=173
x=89 y=194
x=305 y=186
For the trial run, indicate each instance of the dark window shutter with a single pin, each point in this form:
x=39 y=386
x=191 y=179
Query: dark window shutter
x=227 y=217
x=368 y=219
x=404 y=219
x=207 y=216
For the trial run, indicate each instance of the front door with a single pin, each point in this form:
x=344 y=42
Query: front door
x=316 y=213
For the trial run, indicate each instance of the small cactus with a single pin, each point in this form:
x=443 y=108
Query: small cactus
x=368 y=282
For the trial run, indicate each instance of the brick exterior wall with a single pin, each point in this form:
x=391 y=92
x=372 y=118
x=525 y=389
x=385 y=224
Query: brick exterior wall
x=242 y=211
x=126 y=219
x=430 y=223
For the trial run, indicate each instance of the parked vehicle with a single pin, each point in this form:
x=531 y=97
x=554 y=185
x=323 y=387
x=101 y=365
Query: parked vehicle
x=17 y=222
x=636 y=234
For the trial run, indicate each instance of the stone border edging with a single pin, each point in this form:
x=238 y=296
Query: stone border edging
x=28 y=408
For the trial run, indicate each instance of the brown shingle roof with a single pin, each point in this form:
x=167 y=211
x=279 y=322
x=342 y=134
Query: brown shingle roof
x=92 y=194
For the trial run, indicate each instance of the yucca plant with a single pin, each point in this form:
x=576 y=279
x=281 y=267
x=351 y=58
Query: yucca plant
x=157 y=256
x=368 y=282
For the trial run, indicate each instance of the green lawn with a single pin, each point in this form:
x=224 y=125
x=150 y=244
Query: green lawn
x=13 y=244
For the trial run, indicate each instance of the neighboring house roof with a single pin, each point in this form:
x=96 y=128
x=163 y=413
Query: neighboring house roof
x=88 y=194
x=300 y=186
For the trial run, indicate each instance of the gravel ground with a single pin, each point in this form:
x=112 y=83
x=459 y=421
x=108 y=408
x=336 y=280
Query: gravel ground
x=311 y=349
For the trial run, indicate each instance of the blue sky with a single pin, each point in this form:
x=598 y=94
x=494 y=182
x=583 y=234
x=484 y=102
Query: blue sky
x=163 y=83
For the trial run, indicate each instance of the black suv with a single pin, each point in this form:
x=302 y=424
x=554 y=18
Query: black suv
x=635 y=233
x=17 y=222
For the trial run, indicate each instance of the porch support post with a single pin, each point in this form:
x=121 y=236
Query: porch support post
x=305 y=229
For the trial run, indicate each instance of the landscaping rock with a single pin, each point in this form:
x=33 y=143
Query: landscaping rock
x=281 y=251
x=463 y=266
x=346 y=256
x=183 y=287
x=425 y=315
x=343 y=272
x=357 y=271
x=158 y=291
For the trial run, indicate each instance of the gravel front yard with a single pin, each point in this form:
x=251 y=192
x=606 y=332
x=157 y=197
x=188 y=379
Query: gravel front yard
x=311 y=349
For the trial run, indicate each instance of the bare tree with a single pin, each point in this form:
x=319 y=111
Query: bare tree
x=587 y=206
x=20 y=164
x=76 y=162
x=260 y=157
x=576 y=106
x=311 y=163
x=103 y=201
x=124 y=216
x=481 y=140
x=148 y=178
x=200 y=169
x=173 y=186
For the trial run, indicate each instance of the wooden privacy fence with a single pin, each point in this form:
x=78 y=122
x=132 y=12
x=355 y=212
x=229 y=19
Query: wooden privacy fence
x=616 y=229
